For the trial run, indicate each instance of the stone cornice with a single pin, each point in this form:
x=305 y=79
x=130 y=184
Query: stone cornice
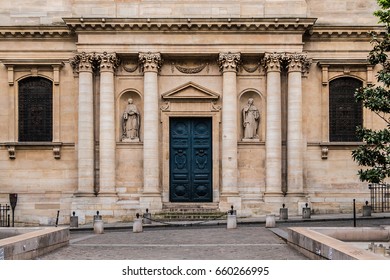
x=344 y=32
x=39 y=32
x=300 y=25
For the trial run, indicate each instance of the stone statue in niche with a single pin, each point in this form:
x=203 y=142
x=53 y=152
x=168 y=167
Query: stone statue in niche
x=251 y=120
x=130 y=123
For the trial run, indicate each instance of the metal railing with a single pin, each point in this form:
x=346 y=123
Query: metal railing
x=380 y=197
x=4 y=215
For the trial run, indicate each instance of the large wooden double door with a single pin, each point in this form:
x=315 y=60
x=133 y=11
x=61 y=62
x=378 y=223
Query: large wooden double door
x=190 y=160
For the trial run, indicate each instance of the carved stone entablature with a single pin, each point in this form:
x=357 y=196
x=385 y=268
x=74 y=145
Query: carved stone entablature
x=50 y=32
x=108 y=61
x=362 y=33
x=190 y=90
x=150 y=62
x=85 y=62
x=191 y=24
x=229 y=61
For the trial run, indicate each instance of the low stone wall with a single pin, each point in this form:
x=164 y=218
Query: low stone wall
x=30 y=243
x=316 y=244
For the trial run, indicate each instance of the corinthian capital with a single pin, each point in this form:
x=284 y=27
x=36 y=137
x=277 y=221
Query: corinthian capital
x=229 y=61
x=272 y=61
x=151 y=62
x=297 y=62
x=83 y=62
x=107 y=61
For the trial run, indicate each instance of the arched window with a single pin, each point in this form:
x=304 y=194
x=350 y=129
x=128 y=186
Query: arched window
x=35 y=109
x=345 y=114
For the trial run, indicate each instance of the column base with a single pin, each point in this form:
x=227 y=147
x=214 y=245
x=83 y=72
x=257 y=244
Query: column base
x=84 y=194
x=107 y=194
x=150 y=201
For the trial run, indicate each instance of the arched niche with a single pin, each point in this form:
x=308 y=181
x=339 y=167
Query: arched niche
x=258 y=102
x=122 y=104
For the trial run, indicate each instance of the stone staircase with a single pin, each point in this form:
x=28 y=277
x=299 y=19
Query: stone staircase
x=189 y=212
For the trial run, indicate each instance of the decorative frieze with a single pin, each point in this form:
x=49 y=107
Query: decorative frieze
x=195 y=24
x=190 y=70
x=150 y=62
x=130 y=66
x=251 y=69
x=229 y=61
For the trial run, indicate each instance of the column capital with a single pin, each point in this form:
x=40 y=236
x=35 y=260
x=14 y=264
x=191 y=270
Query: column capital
x=83 y=62
x=272 y=61
x=151 y=62
x=229 y=61
x=297 y=62
x=107 y=61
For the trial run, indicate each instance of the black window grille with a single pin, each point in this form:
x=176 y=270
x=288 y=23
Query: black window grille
x=35 y=110
x=345 y=114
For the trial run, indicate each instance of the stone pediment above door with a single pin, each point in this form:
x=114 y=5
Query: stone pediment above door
x=191 y=91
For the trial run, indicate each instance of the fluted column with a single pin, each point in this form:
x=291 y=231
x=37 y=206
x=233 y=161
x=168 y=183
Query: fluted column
x=228 y=65
x=84 y=64
x=151 y=62
x=107 y=65
x=273 y=142
x=294 y=124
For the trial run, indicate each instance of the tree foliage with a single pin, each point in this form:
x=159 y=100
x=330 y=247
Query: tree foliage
x=374 y=154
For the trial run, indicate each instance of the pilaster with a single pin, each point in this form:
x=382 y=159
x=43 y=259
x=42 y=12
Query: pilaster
x=84 y=64
x=229 y=63
x=273 y=144
x=151 y=197
x=108 y=63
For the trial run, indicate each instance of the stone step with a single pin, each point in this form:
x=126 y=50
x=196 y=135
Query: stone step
x=188 y=215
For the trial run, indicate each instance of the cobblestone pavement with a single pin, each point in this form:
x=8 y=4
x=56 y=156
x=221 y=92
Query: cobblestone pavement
x=169 y=244
x=248 y=241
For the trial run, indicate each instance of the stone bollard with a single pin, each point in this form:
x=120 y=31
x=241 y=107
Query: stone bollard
x=367 y=210
x=147 y=218
x=74 y=220
x=137 y=225
x=270 y=221
x=283 y=213
x=232 y=219
x=306 y=212
x=98 y=226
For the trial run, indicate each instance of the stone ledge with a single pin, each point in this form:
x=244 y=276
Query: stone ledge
x=31 y=243
x=317 y=245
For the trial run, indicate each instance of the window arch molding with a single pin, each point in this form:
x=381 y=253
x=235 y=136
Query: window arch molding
x=345 y=114
x=35 y=109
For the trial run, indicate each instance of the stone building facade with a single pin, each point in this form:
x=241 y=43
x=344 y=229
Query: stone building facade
x=123 y=106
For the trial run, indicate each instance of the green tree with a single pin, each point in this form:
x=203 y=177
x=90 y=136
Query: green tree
x=374 y=154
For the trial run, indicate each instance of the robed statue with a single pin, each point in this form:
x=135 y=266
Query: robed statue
x=251 y=120
x=130 y=122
